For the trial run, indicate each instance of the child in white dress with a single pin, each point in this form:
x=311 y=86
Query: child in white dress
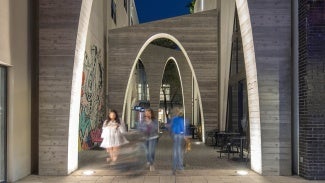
x=112 y=135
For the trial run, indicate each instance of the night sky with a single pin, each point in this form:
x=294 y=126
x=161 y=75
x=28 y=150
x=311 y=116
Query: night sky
x=151 y=10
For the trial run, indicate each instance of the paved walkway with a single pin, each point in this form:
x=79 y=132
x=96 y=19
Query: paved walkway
x=202 y=164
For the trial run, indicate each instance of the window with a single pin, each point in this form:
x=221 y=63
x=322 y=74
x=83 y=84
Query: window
x=126 y=5
x=3 y=123
x=113 y=10
x=143 y=92
x=165 y=90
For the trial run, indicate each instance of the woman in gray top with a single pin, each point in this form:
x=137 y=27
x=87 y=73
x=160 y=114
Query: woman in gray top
x=150 y=129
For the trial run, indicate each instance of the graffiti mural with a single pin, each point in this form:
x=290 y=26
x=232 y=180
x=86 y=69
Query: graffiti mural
x=92 y=107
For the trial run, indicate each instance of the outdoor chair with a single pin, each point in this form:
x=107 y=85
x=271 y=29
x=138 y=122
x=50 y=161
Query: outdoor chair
x=211 y=135
x=95 y=136
x=227 y=148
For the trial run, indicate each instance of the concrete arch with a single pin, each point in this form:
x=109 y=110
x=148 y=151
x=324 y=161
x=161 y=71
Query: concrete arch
x=172 y=59
x=188 y=87
x=142 y=49
x=252 y=85
x=269 y=157
x=127 y=42
x=61 y=55
x=76 y=84
x=268 y=67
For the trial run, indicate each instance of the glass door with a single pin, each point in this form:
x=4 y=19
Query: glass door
x=3 y=123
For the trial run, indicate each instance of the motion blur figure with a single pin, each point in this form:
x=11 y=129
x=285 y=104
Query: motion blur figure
x=149 y=127
x=112 y=135
x=178 y=135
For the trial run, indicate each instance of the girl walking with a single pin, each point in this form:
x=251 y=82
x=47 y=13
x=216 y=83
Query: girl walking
x=112 y=136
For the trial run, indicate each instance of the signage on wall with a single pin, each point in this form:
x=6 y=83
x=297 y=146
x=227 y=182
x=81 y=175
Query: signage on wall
x=138 y=108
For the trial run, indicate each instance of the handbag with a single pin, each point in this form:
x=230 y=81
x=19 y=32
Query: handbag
x=187 y=145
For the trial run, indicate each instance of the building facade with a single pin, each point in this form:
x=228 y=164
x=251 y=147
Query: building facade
x=307 y=120
x=25 y=52
x=54 y=58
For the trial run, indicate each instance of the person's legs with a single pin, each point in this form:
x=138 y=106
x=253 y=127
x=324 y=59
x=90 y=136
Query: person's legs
x=178 y=153
x=175 y=144
x=147 y=151
x=110 y=150
x=109 y=157
x=115 y=153
x=152 y=149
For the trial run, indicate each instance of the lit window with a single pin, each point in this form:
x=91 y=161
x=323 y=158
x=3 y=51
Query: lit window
x=126 y=5
x=165 y=91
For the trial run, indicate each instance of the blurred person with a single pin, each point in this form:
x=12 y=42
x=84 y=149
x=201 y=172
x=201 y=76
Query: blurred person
x=178 y=135
x=112 y=135
x=187 y=137
x=150 y=129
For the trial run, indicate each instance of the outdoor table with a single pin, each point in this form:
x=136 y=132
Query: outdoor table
x=242 y=141
x=222 y=135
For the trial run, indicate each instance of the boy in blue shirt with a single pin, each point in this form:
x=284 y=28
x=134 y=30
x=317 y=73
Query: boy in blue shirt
x=178 y=135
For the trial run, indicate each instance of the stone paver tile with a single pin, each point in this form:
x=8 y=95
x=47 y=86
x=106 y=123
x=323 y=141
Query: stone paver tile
x=151 y=179
x=138 y=179
x=166 y=179
x=212 y=179
x=121 y=179
x=198 y=179
x=106 y=179
x=182 y=179
x=289 y=179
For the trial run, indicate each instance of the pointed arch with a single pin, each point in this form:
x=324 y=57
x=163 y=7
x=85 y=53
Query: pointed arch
x=252 y=85
x=72 y=161
x=182 y=49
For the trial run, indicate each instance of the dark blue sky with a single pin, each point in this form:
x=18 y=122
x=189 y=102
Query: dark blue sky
x=151 y=10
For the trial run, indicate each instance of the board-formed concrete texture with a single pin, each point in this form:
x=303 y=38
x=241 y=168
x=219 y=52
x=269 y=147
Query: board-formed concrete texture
x=197 y=34
x=265 y=28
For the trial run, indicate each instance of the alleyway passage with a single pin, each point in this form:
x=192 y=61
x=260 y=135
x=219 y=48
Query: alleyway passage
x=202 y=164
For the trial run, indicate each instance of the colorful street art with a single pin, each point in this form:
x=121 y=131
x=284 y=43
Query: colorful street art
x=92 y=107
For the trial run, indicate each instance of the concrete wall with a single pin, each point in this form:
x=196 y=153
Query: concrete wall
x=5 y=32
x=227 y=15
x=200 y=45
x=63 y=28
x=271 y=30
x=273 y=62
x=58 y=26
x=226 y=9
x=133 y=13
x=121 y=15
x=15 y=51
x=204 y=5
